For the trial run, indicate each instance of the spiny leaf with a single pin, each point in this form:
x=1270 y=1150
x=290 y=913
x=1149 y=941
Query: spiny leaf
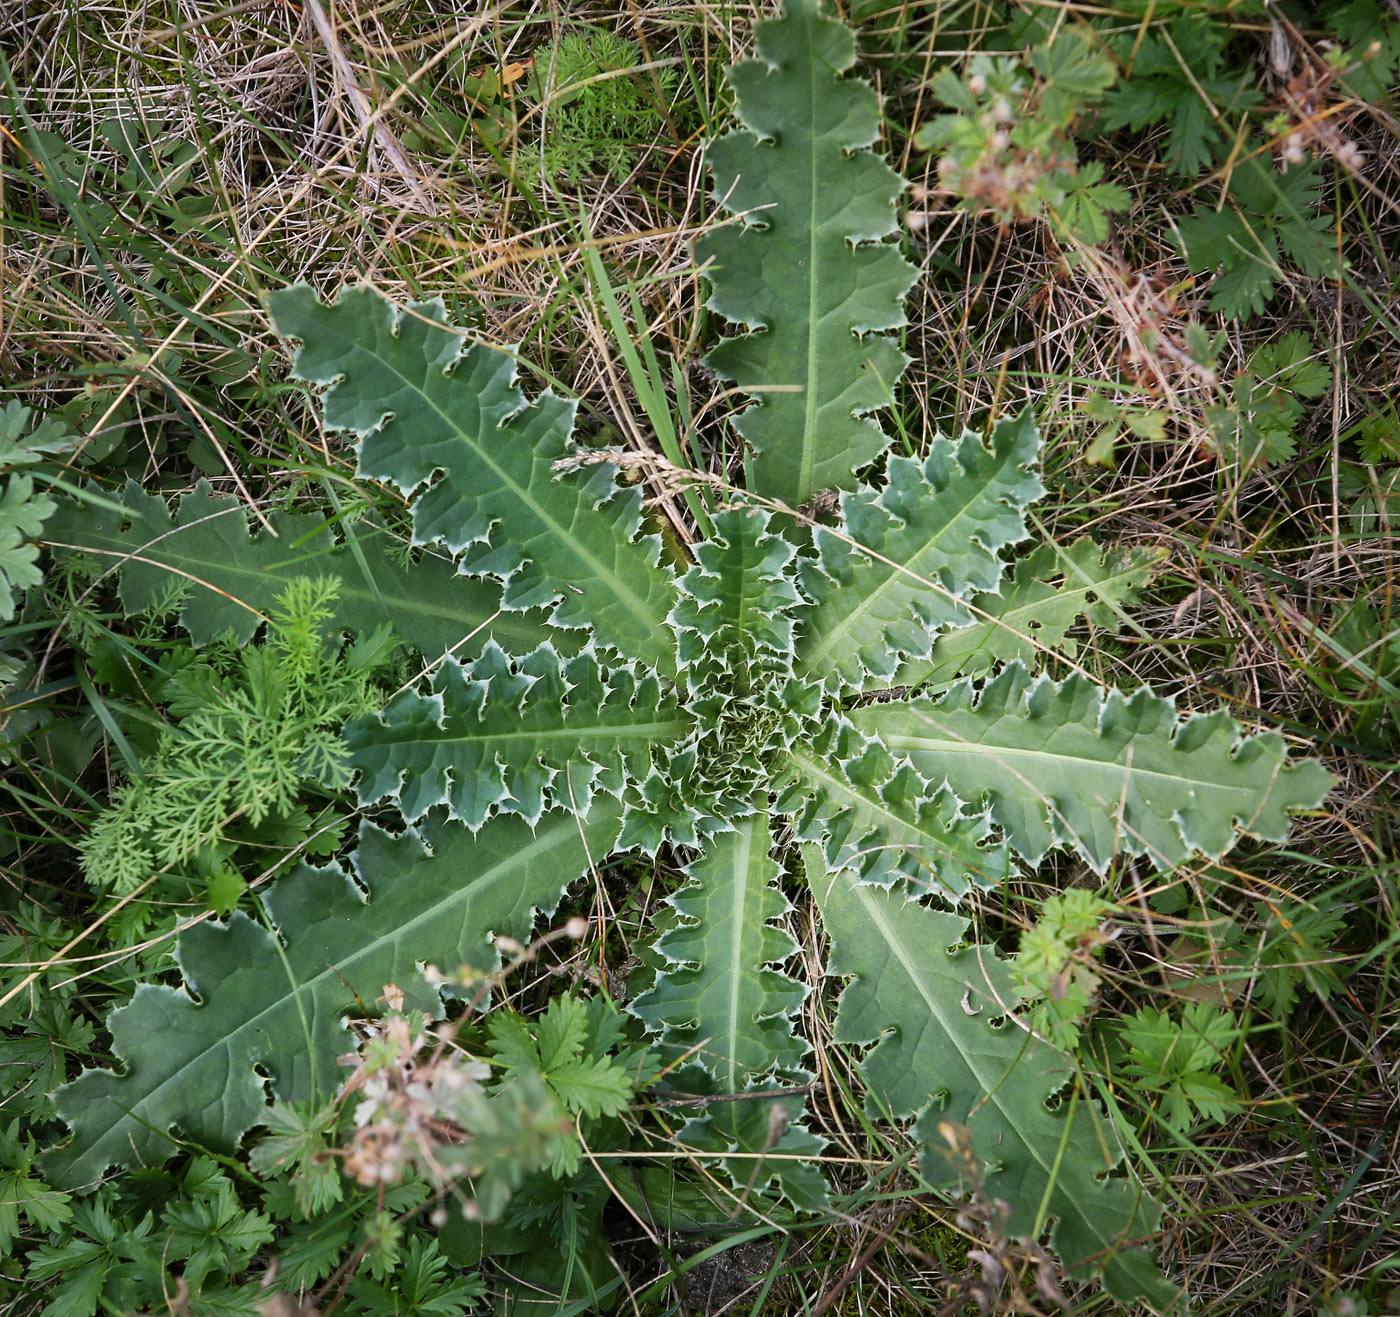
x=234 y=579
x=880 y=818
x=501 y=736
x=772 y=1143
x=438 y=894
x=734 y=629
x=928 y=1010
x=734 y=607
x=804 y=270
x=1071 y=764
x=431 y=408
x=1050 y=591
x=721 y=992
x=895 y=574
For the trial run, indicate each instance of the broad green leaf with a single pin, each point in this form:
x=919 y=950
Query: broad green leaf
x=1050 y=591
x=500 y=736
x=1071 y=764
x=879 y=817
x=431 y=408
x=593 y=1085
x=722 y=994
x=273 y=1005
x=233 y=579
x=772 y=1144
x=894 y=573
x=937 y=1019
x=553 y=1051
x=803 y=268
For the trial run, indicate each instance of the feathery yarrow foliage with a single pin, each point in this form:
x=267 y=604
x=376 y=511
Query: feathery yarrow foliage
x=250 y=734
x=626 y=702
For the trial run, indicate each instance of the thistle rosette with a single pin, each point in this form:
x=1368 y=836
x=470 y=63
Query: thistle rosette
x=601 y=701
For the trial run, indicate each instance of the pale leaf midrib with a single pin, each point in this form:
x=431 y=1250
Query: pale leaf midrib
x=835 y=632
x=591 y=732
x=500 y=872
x=991 y=1087
x=962 y=748
x=635 y=604
x=743 y=861
x=809 y=416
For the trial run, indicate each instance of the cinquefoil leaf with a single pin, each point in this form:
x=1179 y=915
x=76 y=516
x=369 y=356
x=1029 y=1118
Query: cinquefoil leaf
x=892 y=575
x=928 y=1009
x=804 y=269
x=431 y=408
x=260 y=1004
x=22 y=517
x=1071 y=764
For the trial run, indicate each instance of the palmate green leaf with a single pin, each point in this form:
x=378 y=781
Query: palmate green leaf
x=274 y=1006
x=22 y=1194
x=554 y=1051
x=234 y=579
x=1179 y=77
x=892 y=575
x=501 y=736
x=1071 y=764
x=208 y=1227
x=1271 y=215
x=929 y=1010
x=431 y=408
x=297 y=1143
x=1050 y=591
x=804 y=269
x=22 y=517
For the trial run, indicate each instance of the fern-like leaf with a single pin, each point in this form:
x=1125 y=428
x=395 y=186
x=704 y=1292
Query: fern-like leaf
x=805 y=270
x=234 y=579
x=1071 y=764
x=929 y=1011
x=431 y=408
x=273 y=1004
x=893 y=574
